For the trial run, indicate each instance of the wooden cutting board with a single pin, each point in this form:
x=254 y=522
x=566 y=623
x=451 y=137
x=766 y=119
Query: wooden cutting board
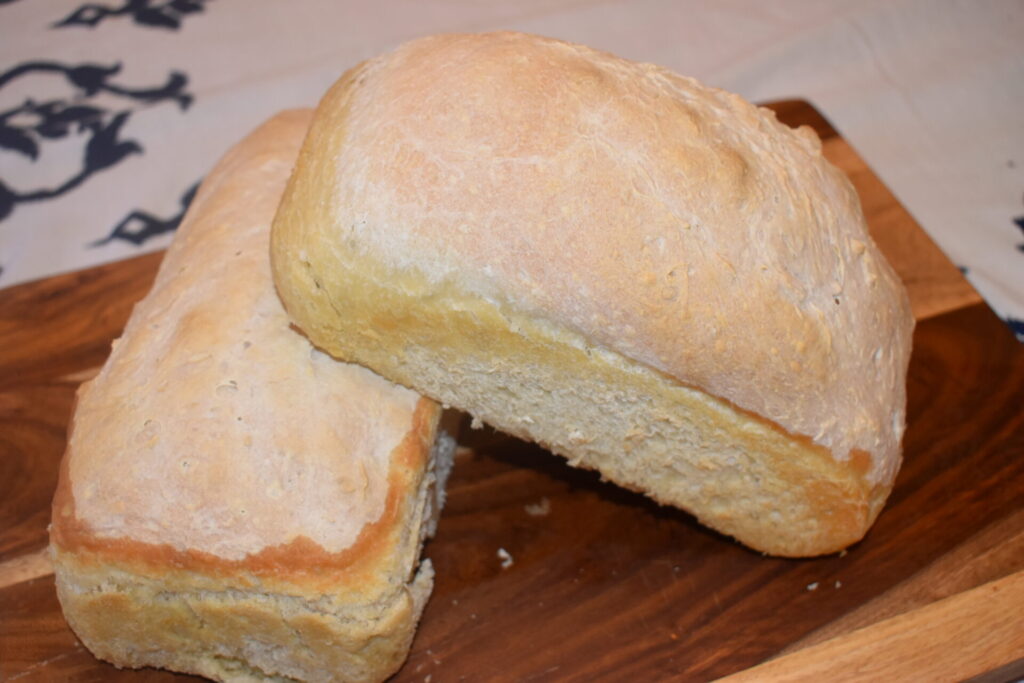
x=602 y=584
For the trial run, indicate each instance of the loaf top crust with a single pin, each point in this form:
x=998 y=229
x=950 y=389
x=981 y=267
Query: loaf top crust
x=215 y=429
x=672 y=223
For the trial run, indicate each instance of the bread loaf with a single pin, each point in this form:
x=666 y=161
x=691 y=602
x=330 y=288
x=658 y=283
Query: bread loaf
x=234 y=503
x=649 y=276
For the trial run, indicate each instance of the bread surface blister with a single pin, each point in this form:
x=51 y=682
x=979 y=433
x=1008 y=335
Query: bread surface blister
x=233 y=502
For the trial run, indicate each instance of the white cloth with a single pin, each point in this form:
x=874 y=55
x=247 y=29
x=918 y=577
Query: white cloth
x=931 y=93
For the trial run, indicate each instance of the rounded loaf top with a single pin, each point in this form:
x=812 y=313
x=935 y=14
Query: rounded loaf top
x=672 y=223
x=214 y=427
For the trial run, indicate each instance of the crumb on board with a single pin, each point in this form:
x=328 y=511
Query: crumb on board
x=812 y=586
x=476 y=423
x=839 y=584
x=539 y=509
x=506 y=558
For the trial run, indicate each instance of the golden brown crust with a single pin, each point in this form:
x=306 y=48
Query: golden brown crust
x=300 y=561
x=616 y=208
x=213 y=426
x=233 y=502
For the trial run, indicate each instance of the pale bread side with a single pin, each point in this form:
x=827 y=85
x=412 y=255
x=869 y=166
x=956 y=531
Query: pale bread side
x=233 y=502
x=651 y=277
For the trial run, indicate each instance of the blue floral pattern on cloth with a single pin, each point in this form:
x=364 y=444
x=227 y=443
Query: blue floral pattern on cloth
x=139 y=226
x=65 y=123
x=25 y=128
x=166 y=15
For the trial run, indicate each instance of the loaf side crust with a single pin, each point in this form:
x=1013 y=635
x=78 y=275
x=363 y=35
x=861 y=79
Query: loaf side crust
x=737 y=472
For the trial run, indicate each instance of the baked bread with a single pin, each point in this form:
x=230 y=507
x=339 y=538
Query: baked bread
x=233 y=502
x=650 y=277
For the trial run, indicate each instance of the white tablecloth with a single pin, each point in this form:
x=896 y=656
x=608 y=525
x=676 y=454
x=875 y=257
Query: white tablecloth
x=111 y=112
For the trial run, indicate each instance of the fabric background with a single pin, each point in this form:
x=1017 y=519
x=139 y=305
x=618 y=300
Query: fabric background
x=111 y=112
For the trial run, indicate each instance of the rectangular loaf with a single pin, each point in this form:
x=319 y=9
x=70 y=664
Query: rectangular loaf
x=234 y=503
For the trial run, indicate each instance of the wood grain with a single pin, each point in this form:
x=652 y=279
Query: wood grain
x=25 y=568
x=36 y=646
x=65 y=324
x=982 y=625
x=604 y=584
x=982 y=558
x=33 y=425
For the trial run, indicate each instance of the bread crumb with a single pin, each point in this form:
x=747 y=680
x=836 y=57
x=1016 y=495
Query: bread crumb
x=839 y=584
x=842 y=553
x=812 y=586
x=506 y=558
x=426 y=679
x=476 y=423
x=539 y=509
